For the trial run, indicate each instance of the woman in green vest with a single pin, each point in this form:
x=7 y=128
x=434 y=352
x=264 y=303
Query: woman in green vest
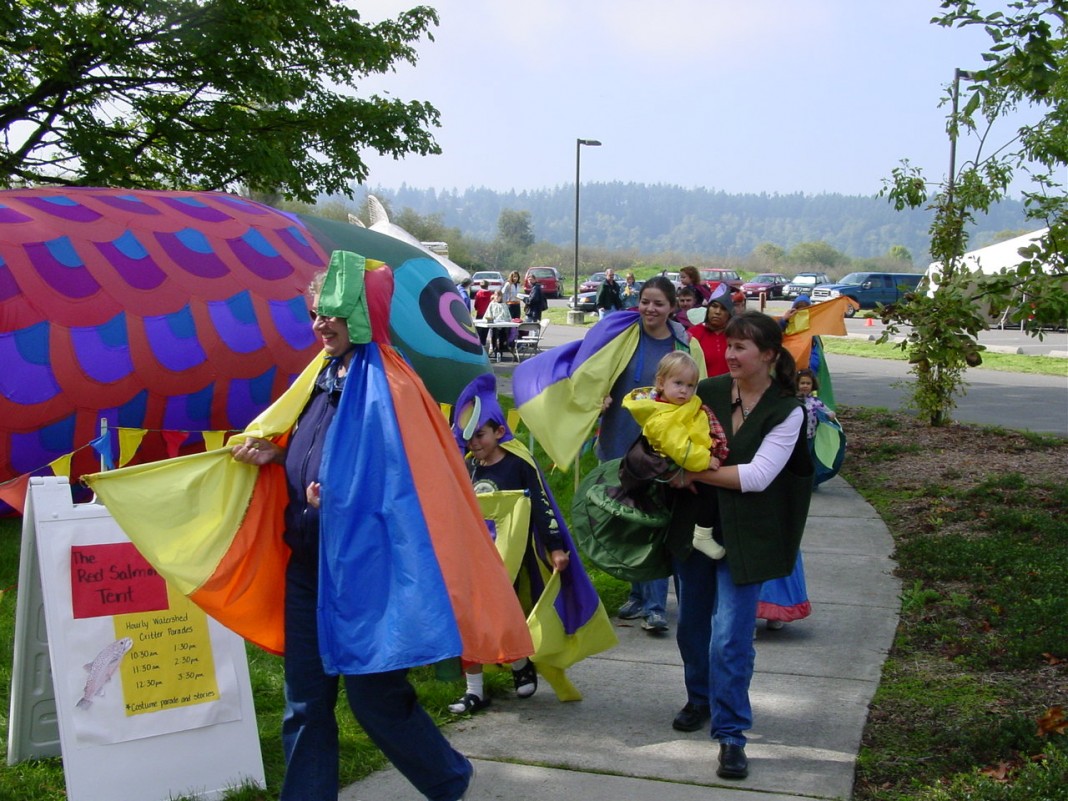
x=761 y=494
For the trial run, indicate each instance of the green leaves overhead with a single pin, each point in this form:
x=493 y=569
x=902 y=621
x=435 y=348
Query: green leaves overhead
x=208 y=95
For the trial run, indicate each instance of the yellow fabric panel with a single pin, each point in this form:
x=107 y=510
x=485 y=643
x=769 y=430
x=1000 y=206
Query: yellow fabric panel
x=194 y=505
x=570 y=408
x=552 y=646
x=510 y=512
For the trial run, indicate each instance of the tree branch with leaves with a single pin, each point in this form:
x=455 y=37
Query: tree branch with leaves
x=204 y=94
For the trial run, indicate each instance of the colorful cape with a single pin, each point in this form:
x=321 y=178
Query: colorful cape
x=559 y=392
x=408 y=572
x=567 y=621
x=826 y=318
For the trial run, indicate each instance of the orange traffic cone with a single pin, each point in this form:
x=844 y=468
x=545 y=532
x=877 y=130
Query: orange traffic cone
x=870 y=321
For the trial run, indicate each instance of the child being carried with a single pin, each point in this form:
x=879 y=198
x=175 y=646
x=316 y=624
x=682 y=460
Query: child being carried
x=677 y=427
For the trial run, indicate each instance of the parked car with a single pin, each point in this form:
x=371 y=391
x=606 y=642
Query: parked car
x=770 y=284
x=587 y=302
x=868 y=289
x=673 y=278
x=717 y=275
x=549 y=278
x=587 y=299
x=803 y=283
x=592 y=284
x=495 y=279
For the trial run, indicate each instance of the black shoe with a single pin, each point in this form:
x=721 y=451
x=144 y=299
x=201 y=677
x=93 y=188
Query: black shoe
x=732 y=762
x=691 y=718
x=525 y=680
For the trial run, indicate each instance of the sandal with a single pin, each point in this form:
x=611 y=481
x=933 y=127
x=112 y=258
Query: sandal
x=526 y=680
x=468 y=704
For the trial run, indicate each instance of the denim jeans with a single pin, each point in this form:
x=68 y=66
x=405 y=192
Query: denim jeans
x=384 y=704
x=715 y=637
x=652 y=594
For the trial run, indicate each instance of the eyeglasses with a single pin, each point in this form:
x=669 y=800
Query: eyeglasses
x=315 y=316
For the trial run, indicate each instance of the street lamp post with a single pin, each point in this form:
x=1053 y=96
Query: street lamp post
x=578 y=160
x=958 y=75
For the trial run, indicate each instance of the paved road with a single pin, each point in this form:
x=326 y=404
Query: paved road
x=1010 y=340
x=1014 y=400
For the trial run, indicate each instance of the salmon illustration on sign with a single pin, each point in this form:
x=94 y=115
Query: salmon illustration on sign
x=102 y=668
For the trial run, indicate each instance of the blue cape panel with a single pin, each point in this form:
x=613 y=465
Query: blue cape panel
x=383 y=604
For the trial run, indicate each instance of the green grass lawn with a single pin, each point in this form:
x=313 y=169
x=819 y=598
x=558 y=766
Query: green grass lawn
x=980 y=650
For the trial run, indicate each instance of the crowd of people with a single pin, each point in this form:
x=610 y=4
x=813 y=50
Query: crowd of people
x=708 y=387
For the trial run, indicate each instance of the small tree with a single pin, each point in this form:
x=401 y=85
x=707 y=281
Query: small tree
x=816 y=254
x=1026 y=63
x=203 y=94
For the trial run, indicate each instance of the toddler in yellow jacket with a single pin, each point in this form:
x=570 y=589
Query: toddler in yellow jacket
x=678 y=427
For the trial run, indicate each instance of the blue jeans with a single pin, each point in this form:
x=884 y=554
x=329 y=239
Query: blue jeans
x=384 y=704
x=715 y=637
x=652 y=594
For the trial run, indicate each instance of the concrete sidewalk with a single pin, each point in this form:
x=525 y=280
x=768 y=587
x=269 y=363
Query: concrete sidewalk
x=813 y=683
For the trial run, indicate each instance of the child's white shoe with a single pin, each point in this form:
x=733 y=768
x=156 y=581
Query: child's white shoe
x=703 y=542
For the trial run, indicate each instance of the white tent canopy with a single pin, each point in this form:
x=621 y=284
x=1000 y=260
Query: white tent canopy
x=992 y=259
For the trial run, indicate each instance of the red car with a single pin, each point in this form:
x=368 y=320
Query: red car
x=548 y=277
x=771 y=284
x=715 y=275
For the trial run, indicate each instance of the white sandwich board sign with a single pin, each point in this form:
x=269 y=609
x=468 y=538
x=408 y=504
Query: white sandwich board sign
x=151 y=697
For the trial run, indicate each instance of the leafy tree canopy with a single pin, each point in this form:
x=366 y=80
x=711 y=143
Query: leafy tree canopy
x=514 y=229
x=816 y=254
x=204 y=94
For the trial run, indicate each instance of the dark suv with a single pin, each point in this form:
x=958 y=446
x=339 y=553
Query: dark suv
x=868 y=289
x=803 y=284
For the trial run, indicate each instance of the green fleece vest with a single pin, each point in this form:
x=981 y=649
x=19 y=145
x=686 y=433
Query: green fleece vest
x=761 y=530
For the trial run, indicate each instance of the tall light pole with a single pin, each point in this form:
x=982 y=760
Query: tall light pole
x=958 y=75
x=578 y=160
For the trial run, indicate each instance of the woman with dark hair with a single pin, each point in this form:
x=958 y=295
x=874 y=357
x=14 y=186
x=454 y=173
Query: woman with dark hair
x=761 y=496
x=561 y=393
x=659 y=335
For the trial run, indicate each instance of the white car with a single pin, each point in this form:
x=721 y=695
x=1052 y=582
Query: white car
x=492 y=277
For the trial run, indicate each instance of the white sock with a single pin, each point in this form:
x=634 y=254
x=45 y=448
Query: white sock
x=475 y=685
x=703 y=542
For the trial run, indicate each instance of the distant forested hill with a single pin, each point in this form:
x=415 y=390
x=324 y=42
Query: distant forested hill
x=651 y=219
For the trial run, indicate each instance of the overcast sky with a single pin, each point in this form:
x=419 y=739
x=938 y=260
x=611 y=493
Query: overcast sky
x=736 y=95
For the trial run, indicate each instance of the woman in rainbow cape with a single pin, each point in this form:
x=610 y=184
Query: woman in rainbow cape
x=567 y=620
x=348 y=493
